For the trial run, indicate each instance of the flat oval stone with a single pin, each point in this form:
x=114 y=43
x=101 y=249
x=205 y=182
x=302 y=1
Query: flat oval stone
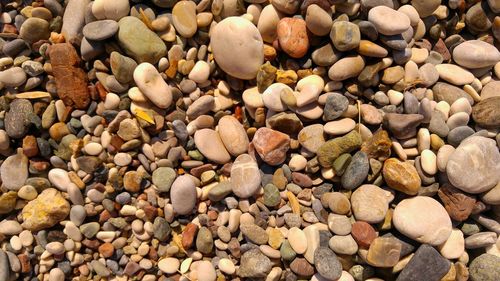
x=356 y=172
x=454 y=74
x=245 y=176
x=184 y=18
x=14 y=171
x=487 y=113
x=13 y=77
x=476 y=54
x=297 y=239
x=345 y=68
x=411 y=218
x=152 y=85
x=473 y=167
x=211 y=146
x=233 y=135
x=235 y=33
x=311 y=137
x=100 y=30
x=370 y=203
x=398 y=23
x=327 y=264
x=183 y=195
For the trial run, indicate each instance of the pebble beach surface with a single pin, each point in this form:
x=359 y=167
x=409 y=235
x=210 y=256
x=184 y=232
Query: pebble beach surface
x=218 y=140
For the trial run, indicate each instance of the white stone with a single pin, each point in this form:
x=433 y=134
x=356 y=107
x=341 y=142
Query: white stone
x=113 y=10
x=454 y=247
x=226 y=266
x=152 y=85
x=59 y=178
x=169 y=265
x=245 y=176
x=272 y=98
x=200 y=72
x=429 y=162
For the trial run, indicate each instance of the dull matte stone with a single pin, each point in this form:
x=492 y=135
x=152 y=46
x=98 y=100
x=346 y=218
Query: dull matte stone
x=356 y=172
x=426 y=264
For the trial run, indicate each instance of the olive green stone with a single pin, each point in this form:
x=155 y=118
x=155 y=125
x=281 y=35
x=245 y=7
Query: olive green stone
x=271 y=195
x=220 y=191
x=7 y=202
x=286 y=251
x=341 y=163
x=265 y=76
x=332 y=149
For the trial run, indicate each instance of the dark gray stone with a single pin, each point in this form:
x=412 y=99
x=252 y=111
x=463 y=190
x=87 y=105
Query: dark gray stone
x=336 y=105
x=403 y=126
x=100 y=30
x=458 y=134
x=327 y=263
x=427 y=264
x=356 y=172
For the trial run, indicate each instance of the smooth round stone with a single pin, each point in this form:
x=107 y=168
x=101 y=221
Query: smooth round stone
x=34 y=29
x=13 y=77
x=492 y=89
x=56 y=274
x=183 y=195
x=318 y=21
x=297 y=163
x=27 y=192
x=93 y=148
x=345 y=68
x=343 y=245
x=370 y=49
x=200 y=71
x=356 y=171
x=114 y=10
x=473 y=167
x=411 y=218
x=327 y=264
x=169 y=265
x=486 y=113
x=184 y=18
x=339 y=224
x=235 y=33
x=311 y=137
x=122 y=159
x=340 y=127
x=59 y=178
x=370 y=203
x=14 y=171
x=476 y=54
x=297 y=239
x=461 y=105
x=398 y=24
x=233 y=135
x=152 y=85
x=268 y=23
x=272 y=97
x=245 y=176
x=211 y=146
x=454 y=247
x=429 y=162
x=55 y=248
x=454 y=74
x=100 y=30
x=292 y=36
x=163 y=177
x=226 y=266
x=458 y=120
x=336 y=104
x=10 y=227
x=252 y=98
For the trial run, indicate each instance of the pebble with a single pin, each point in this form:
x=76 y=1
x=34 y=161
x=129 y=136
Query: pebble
x=183 y=195
x=467 y=55
x=410 y=219
x=233 y=33
x=245 y=176
x=401 y=176
x=297 y=240
x=14 y=171
x=327 y=263
x=139 y=42
x=486 y=113
x=399 y=21
x=426 y=264
x=356 y=172
x=370 y=203
x=292 y=36
x=383 y=252
x=485 y=267
x=163 y=177
x=475 y=158
x=152 y=85
x=339 y=127
x=100 y=30
x=271 y=145
x=211 y=146
x=233 y=135
x=184 y=18
x=253 y=264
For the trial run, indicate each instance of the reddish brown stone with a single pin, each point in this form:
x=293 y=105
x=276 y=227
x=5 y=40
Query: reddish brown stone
x=301 y=179
x=188 y=235
x=363 y=233
x=91 y=244
x=71 y=80
x=271 y=145
x=197 y=171
x=458 y=204
x=25 y=263
x=151 y=212
x=106 y=250
x=292 y=36
x=302 y=267
x=441 y=48
x=30 y=147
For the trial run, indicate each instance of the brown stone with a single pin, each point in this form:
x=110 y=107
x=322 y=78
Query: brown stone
x=378 y=146
x=458 y=204
x=58 y=131
x=271 y=145
x=132 y=181
x=401 y=176
x=71 y=80
x=30 y=147
x=301 y=180
x=487 y=113
x=302 y=267
x=25 y=263
x=292 y=36
x=441 y=48
x=384 y=252
x=188 y=235
x=363 y=233
x=106 y=250
x=279 y=179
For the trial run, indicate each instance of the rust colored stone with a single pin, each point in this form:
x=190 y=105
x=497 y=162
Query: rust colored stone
x=188 y=235
x=71 y=80
x=378 y=146
x=292 y=36
x=458 y=204
x=106 y=250
x=441 y=48
x=302 y=180
x=25 y=263
x=363 y=233
x=271 y=145
x=30 y=147
x=302 y=267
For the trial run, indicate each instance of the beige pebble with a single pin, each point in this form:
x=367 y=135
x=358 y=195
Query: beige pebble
x=428 y=160
x=169 y=265
x=297 y=163
x=227 y=266
x=340 y=127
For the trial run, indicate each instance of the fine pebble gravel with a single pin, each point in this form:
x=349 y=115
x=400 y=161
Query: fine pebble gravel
x=281 y=140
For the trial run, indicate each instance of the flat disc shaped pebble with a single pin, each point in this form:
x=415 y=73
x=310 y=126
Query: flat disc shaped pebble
x=152 y=85
x=245 y=176
x=100 y=30
x=272 y=97
x=237 y=47
x=183 y=195
x=211 y=146
x=233 y=135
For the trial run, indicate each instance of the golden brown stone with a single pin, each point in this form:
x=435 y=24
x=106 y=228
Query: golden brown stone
x=384 y=252
x=401 y=176
x=378 y=146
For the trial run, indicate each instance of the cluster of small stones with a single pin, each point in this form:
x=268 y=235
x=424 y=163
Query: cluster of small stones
x=250 y=140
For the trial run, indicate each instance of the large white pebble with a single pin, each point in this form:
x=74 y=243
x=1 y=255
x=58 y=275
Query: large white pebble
x=152 y=85
x=237 y=47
